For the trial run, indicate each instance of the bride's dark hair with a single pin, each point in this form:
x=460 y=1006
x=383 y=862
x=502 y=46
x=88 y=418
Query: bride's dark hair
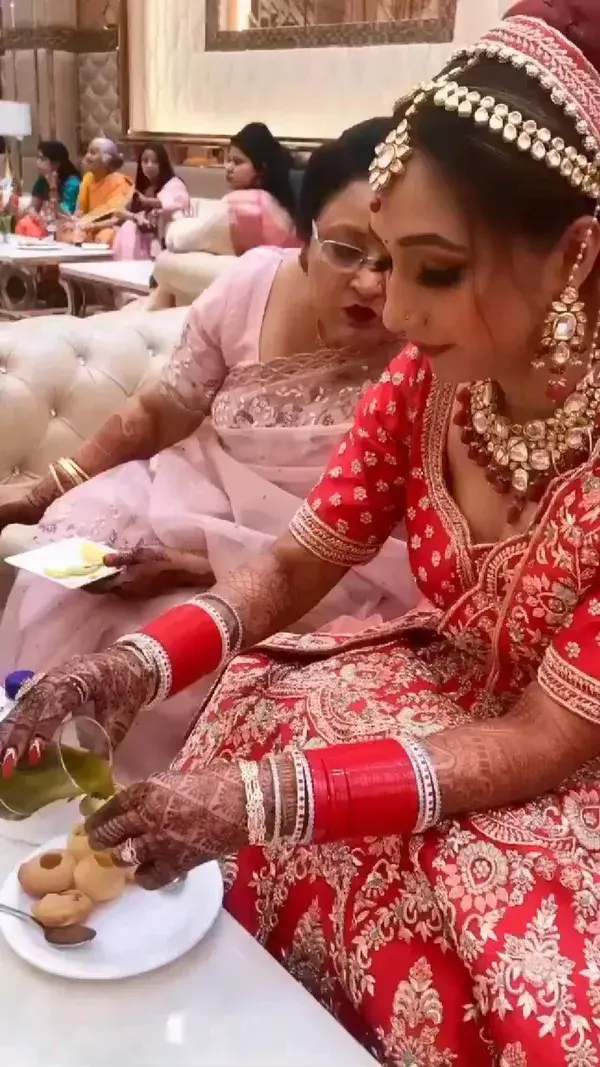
x=499 y=187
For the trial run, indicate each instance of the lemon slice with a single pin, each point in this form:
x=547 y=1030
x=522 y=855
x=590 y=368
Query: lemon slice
x=92 y=554
x=78 y=571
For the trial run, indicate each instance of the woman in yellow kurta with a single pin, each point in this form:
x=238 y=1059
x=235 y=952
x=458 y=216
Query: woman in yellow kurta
x=104 y=191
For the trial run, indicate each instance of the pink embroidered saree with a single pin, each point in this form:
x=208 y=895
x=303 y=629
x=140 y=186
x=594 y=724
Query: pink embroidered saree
x=227 y=490
x=133 y=243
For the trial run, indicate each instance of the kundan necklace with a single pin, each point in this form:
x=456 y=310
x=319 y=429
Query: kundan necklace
x=521 y=460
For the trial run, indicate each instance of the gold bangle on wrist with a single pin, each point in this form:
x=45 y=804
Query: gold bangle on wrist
x=61 y=489
x=73 y=471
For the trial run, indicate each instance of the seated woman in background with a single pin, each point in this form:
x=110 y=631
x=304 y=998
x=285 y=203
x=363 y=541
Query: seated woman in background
x=54 y=193
x=259 y=209
x=277 y=352
x=261 y=205
x=158 y=198
x=104 y=191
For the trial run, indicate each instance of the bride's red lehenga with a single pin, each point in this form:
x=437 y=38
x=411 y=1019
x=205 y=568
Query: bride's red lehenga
x=477 y=943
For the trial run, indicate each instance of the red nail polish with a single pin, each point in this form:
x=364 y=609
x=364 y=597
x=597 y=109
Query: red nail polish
x=35 y=753
x=9 y=763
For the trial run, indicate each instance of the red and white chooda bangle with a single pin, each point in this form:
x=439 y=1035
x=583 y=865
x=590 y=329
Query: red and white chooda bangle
x=347 y=792
x=188 y=642
x=373 y=789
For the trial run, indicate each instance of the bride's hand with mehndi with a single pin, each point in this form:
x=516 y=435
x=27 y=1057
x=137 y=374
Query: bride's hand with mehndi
x=114 y=684
x=174 y=822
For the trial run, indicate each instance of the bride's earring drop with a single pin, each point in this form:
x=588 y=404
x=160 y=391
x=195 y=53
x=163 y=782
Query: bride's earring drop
x=563 y=339
x=565 y=331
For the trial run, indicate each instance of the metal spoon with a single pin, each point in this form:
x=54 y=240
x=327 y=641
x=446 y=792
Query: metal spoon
x=58 y=936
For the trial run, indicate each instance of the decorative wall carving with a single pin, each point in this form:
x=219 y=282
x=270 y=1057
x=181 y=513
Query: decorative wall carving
x=58 y=39
x=235 y=25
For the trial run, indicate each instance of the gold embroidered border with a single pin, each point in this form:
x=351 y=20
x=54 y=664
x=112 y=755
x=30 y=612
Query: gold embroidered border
x=315 y=535
x=567 y=685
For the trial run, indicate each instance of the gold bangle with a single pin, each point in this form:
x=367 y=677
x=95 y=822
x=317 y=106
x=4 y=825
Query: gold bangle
x=73 y=471
x=57 y=481
x=255 y=805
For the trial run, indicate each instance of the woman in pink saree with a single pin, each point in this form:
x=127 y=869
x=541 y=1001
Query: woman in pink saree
x=260 y=204
x=159 y=198
x=277 y=353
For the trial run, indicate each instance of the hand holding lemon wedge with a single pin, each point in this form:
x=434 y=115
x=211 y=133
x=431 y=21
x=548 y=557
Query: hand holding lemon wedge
x=91 y=560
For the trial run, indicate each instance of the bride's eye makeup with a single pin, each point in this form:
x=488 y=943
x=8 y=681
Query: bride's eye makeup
x=441 y=277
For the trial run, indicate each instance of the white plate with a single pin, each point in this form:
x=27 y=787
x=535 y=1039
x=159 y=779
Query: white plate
x=61 y=554
x=94 y=246
x=138 y=933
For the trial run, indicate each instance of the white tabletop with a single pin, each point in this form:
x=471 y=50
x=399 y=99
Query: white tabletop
x=30 y=255
x=226 y=1004
x=133 y=275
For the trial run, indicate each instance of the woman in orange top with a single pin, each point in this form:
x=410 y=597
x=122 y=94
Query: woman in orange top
x=104 y=191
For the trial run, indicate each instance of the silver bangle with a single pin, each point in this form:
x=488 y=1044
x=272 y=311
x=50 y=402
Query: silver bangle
x=155 y=657
x=221 y=625
x=310 y=803
x=428 y=786
x=298 y=833
x=276 y=835
x=227 y=618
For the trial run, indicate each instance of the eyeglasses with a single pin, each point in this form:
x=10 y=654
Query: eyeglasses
x=348 y=258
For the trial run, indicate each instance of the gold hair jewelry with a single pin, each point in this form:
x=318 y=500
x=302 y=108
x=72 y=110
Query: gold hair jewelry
x=392 y=154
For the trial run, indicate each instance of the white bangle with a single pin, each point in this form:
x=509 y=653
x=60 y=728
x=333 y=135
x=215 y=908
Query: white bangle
x=155 y=657
x=428 y=786
x=301 y=792
x=255 y=804
x=231 y=628
x=310 y=803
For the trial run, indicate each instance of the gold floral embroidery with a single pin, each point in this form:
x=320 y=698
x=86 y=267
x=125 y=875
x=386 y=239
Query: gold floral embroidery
x=327 y=544
x=567 y=685
x=582 y=809
x=417 y=1016
x=307 y=959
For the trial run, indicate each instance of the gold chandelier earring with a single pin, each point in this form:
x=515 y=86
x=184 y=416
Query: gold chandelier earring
x=565 y=332
x=563 y=341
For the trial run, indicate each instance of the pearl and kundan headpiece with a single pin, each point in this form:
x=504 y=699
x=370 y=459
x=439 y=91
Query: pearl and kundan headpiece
x=546 y=56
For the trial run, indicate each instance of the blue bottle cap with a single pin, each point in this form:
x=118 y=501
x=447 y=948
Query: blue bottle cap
x=14 y=681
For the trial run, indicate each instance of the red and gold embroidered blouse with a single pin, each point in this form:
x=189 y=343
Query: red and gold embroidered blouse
x=527 y=607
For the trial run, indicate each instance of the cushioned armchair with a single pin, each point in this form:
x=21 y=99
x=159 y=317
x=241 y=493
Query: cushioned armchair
x=60 y=379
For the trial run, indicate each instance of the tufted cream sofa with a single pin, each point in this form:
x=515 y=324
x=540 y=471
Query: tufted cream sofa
x=60 y=379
